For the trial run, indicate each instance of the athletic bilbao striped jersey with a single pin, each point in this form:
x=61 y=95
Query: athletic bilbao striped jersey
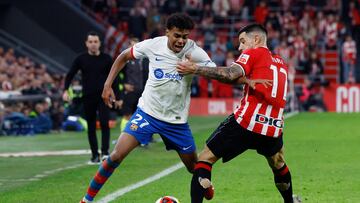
x=261 y=110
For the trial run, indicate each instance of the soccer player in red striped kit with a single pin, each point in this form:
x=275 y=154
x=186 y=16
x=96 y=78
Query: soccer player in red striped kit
x=258 y=121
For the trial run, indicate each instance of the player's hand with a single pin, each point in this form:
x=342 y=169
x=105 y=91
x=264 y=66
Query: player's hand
x=65 y=96
x=186 y=67
x=108 y=96
x=129 y=88
x=252 y=83
x=118 y=104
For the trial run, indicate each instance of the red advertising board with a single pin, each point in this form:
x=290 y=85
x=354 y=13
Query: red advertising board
x=342 y=98
x=205 y=106
x=337 y=98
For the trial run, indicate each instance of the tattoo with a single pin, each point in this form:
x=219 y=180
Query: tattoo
x=222 y=74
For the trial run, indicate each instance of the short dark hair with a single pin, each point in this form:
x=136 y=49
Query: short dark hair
x=180 y=21
x=253 y=27
x=92 y=33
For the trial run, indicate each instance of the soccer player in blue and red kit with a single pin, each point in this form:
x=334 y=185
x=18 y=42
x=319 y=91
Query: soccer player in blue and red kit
x=258 y=121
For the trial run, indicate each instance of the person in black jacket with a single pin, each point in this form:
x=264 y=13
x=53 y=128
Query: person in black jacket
x=94 y=66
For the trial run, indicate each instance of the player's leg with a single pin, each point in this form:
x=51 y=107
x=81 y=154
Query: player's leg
x=137 y=131
x=90 y=117
x=104 y=114
x=189 y=160
x=225 y=142
x=201 y=185
x=282 y=176
x=126 y=143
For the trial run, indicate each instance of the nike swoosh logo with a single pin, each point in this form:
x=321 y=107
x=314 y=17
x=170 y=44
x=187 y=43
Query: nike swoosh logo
x=158 y=59
x=186 y=148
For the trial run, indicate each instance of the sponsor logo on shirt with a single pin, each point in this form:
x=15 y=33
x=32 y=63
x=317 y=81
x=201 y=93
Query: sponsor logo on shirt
x=243 y=58
x=159 y=74
x=269 y=120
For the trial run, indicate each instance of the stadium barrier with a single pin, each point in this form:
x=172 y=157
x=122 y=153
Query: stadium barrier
x=207 y=106
x=342 y=98
x=337 y=98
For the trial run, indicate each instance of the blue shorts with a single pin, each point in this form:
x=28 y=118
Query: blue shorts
x=175 y=136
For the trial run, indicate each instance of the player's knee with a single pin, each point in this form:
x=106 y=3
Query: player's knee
x=283 y=186
x=276 y=161
x=116 y=156
x=207 y=156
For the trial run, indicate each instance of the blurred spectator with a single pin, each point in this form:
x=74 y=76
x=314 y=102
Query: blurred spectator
x=236 y=7
x=261 y=12
x=221 y=9
x=273 y=36
x=331 y=32
x=208 y=30
x=300 y=51
x=285 y=51
x=137 y=21
x=193 y=7
x=354 y=14
x=315 y=69
x=349 y=59
x=311 y=98
x=41 y=119
x=2 y=115
x=153 y=22
x=33 y=87
x=273 y=19
x=57 y=115
x=172 y=6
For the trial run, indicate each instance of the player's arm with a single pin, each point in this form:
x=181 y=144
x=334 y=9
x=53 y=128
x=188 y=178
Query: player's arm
x=119 y=63
x=223 y=74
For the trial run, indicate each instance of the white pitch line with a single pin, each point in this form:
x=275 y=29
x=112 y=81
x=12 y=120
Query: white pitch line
x=43 y=174
x=291 y=114
x=46 y=153
x=134 y=186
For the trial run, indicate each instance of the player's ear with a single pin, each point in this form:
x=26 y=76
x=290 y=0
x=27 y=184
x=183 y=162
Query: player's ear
x=167 y=32
x=257 y=39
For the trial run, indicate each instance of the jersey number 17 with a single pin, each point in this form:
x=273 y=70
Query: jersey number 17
x=276 y=81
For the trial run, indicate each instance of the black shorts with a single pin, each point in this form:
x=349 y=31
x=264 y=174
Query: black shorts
x=230 y=139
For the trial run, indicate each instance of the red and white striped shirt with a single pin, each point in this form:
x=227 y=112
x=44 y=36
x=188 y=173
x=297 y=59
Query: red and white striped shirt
x=261 y=110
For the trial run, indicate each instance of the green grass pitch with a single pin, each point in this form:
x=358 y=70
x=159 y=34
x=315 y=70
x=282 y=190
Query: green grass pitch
x=322 y=151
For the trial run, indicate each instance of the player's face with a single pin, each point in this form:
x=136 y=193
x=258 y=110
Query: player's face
x=93 y=44
x=246 y=42
x=177 y=39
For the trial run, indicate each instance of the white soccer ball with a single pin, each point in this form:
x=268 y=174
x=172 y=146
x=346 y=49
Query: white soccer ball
x=167 y=199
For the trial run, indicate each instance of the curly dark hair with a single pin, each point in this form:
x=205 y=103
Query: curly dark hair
x=180 y=21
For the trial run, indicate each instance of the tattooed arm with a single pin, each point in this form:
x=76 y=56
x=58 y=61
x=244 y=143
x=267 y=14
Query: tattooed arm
x=223 y=74
x=233 y=74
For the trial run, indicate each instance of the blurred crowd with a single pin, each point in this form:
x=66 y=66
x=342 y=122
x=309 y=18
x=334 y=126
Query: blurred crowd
x=300 y=31
x=20 y=76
